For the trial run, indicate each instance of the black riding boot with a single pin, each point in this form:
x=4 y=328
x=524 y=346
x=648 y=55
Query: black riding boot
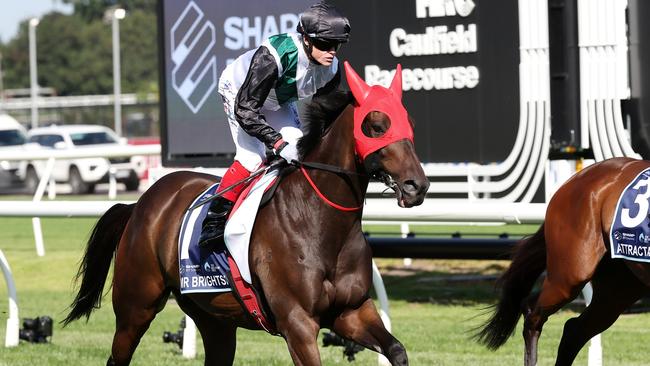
x=214 y=223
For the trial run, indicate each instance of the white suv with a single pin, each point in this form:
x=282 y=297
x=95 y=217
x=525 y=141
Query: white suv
x=82 y=174
x=12 y=138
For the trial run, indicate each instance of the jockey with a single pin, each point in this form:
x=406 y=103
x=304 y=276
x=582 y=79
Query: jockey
x=259 y=91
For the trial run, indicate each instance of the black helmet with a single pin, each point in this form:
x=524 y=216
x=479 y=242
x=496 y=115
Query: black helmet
x=323 y=21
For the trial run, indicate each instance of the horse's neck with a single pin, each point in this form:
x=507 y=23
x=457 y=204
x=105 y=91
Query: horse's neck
x=337 y=149
x=337 y=145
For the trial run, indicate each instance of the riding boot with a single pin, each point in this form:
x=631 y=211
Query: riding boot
x=214 y=223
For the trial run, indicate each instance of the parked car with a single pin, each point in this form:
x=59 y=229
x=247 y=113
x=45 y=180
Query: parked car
x=12 y=138
x=82 y=174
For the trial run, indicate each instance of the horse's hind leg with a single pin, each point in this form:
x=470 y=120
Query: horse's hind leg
x=137 y=298
x=569 y=268
x=219 y=338
x=219 y=341
x=615 y=289
x=364 y=326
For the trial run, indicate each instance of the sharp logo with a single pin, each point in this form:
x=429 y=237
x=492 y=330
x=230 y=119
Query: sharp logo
x=193 y=41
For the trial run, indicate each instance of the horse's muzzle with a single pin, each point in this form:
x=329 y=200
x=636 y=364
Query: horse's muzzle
x=412 y=192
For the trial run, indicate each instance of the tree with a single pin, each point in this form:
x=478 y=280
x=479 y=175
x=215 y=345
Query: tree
x=91 y=10
x=75 y=53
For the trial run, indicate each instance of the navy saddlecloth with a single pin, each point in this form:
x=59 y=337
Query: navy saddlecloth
x=201 y=269
x=630 y=231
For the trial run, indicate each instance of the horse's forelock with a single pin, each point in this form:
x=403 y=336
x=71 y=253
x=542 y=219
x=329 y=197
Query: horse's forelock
x=319 y=114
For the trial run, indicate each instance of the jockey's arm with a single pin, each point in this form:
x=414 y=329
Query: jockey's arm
x=260 y=80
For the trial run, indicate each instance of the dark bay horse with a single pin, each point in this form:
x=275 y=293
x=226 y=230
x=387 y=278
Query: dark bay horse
x=310 y=260
x=573 y=247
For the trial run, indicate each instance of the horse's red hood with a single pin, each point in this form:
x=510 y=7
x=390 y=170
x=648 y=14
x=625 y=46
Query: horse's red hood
x=380 y=99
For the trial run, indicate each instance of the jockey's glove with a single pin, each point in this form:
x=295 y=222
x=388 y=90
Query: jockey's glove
x=287 y=151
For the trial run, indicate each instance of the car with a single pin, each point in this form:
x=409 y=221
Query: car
x=12 y=138
x=84 y=173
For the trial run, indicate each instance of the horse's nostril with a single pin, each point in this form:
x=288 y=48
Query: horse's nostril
x=410 y=187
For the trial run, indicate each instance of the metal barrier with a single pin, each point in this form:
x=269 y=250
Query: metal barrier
x=441 y=248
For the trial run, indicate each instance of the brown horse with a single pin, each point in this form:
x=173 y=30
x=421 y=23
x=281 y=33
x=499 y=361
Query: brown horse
x=310 y=260
x=573 y=246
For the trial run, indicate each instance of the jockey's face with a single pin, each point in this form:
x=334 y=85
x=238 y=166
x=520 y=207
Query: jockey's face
x=322 y=51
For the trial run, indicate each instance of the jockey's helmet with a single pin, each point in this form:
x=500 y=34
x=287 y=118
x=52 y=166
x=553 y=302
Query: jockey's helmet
x=323 y=21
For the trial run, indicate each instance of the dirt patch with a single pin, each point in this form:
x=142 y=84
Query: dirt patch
x=396 y=267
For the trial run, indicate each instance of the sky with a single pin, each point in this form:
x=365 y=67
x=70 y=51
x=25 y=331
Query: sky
x=15 y=11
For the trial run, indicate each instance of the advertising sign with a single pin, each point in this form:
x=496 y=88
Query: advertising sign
x=198 y=39
x=460 y=60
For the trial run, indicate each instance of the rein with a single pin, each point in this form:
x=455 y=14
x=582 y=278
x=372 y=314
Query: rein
x=329 y=168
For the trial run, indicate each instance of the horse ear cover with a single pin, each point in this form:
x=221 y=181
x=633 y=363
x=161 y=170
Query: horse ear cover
x=396 y=84
x=357 y=85
x=360 y=89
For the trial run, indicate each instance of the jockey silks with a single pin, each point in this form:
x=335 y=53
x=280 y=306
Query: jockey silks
x=378 y=98
x=297 y=78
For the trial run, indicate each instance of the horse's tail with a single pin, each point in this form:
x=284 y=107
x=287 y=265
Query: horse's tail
x=528 y=262
x=96 y=262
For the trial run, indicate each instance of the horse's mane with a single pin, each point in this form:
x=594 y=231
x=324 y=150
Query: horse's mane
x=319 y=114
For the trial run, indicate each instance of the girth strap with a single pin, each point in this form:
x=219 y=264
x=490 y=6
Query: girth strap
x=249 y=298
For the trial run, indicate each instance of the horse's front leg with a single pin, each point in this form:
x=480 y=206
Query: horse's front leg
x=301 y=333
x=364 y=326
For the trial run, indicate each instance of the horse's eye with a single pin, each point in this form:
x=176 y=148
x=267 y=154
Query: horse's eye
x=375 y=125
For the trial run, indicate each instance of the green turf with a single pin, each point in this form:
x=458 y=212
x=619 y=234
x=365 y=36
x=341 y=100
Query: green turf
x=432 y=313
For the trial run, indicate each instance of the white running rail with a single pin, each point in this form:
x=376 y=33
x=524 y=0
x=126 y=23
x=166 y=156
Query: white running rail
x=52 y=155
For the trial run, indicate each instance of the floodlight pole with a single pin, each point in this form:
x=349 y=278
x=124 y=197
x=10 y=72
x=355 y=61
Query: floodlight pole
x=2 y=88
x=116 y=16
x=33 y=74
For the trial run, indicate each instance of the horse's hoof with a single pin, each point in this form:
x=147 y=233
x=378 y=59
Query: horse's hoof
x=397 y=355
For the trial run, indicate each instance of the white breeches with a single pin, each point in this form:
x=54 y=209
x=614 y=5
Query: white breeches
x=251 y=151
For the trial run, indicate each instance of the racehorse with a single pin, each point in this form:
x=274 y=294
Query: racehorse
x=572 y=246
x=309 y=259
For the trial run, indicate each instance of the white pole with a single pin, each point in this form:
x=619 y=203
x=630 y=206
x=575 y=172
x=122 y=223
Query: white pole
x=595 y=357
x=384 y=311
x=33 y=74
x=112 y=183
x=406 y=229
x=38 y=196
x=13 y=324
x=118 y=14
x=189 y=338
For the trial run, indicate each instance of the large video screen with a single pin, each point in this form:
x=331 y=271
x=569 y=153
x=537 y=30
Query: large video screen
x=460 y=61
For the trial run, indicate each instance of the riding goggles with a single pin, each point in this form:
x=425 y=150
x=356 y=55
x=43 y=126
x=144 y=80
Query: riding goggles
x=326 y=44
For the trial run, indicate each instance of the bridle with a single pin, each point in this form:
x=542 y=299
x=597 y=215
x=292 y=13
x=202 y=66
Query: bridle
x=369 y=99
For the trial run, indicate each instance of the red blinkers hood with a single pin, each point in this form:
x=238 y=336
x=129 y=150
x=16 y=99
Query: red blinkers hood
x=380 y=99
